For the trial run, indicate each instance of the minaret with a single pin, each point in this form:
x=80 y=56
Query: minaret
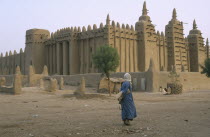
x=144 y=11
x=174 y=14
x=108 y=20
x=174 y=35
x=147 y=41
x=207 y=47
x=107 y=31
x=197 y=51
x=194 y=25
x=144 y=16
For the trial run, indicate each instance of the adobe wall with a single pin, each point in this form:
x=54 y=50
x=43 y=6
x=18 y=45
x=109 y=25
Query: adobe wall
x=190 y=80
x=6 y=90
x=92 y=79
x=8 y=63
x=152 y=80
x=194 y=81
x=197 y=49
x=135 y=75
x=124 y=39
x=177 y=53
x=69 y=50
x=15 y=88
x=34 y=49
x=9 y=79
x=88 y=42
x=163 y=52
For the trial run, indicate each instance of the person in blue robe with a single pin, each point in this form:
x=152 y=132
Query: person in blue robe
x=127 y=102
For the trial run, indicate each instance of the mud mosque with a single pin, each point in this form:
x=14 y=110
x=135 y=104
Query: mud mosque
x=69 y=51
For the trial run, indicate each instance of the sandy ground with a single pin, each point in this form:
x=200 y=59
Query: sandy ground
x=37 y=113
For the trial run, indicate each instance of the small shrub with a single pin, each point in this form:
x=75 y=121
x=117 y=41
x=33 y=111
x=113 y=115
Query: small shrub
x=176 y=88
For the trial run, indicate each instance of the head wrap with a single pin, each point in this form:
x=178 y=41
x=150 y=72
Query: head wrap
x=127 y=77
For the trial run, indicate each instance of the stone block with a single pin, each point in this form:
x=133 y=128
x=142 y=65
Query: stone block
x=53 y=85
x=41 y=84
x=81 y=89
x=61 y=84
x=17 y=70
x=2 y=81
x=45 y=71
x=17 y=85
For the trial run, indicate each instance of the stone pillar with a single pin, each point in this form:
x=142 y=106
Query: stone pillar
x=47 y=56
x=14 y=59
x=58 y=58
x=81 y=57
x=17 y=85
x=65 y=58
x=81 y=89
x=123 y=56
x=54 y=58
x=41 y=84
x=119 y=52
x=31 y=76
x=3 y=65
x=17 y=70
x=2 y=81
x=52 y=52
x=22 y=61
x=53 y=85
x=45 y=71
x=127 y=55
x=50 y=59
x=135 y=48
x=69 y=56
x=131 y=56
x=10 y=63
x=92 y=52
x=87 y=57
x=7 y=64
x=61 y=84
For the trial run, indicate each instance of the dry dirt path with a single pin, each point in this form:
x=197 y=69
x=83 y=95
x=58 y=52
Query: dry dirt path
x=37 y=113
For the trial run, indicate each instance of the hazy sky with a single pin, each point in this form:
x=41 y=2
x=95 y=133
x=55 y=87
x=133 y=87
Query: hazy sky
x=16 y=16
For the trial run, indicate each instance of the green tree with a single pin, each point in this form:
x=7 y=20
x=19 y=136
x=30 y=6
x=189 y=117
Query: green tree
x=106 y=59
x=206 y=67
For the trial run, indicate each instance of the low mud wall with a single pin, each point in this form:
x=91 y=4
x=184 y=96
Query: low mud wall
x=9 y=79
x=93 y=79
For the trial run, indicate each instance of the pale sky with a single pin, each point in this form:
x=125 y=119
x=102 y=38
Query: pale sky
x=17 y=16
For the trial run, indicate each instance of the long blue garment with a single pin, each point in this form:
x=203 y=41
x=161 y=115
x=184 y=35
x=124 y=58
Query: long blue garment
x=127 y=104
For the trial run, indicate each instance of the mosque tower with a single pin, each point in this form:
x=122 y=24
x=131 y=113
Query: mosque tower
x=34 y=49
x=196 y=49
x=147 y=46
x=177 y=54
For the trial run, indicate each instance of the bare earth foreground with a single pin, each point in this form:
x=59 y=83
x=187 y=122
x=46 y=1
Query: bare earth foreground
x=37 y=113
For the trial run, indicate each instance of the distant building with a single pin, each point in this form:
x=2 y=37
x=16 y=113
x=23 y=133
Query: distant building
x=69 y=50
